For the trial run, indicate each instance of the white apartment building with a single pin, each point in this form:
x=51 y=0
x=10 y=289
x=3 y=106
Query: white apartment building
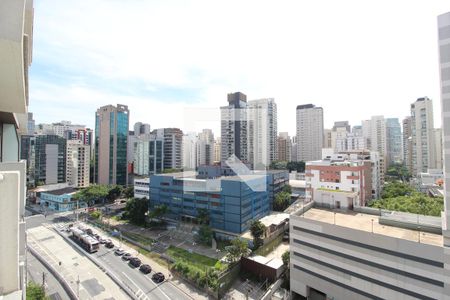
x=60 y=128
x=262 y=132
x=374 y=130
x=422 y=132
x=205 y=147
x=189 y=146
x=77 y=165
x=16 y=41
x=407 y=143
x=438 y=148
x=142 y=187
x=309 y=132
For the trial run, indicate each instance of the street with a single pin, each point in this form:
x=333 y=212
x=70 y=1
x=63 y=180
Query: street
x=139 y=284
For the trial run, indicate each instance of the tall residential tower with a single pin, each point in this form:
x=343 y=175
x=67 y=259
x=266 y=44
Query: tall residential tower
x=309 y=132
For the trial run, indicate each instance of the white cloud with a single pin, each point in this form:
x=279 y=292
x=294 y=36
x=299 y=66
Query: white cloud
x=355 y=59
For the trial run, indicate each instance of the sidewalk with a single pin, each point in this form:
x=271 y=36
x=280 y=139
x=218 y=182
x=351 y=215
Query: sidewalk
x=82 y=275
x=181 y=285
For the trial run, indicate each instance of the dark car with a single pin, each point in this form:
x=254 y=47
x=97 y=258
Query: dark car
x=109 y=245
x=126 y=256
x=145 y=269
x=89 y=231
x=119 y=252
x=135 y=262
x=158 y=277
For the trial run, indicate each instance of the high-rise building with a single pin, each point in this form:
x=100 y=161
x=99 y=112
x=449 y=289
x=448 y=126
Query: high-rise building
x=205 y=147
x=284 y=149
x=262 y=132
x=63 y=129
x=156 y=165
x=217 y=149
x=422 y=132
x=173 y=146
x=393 y=141
x=327 y=139
x=444 y=60
x=111 y=145
x=31 y=124
x=309 y=132
x=141 y=129
x=27 y=152
x=233 y=123
x=50 y=159
x=85 y=136
x=190 y=144
x=16 y=40
x=77 y=166
x=438 y=148
x=407 y=143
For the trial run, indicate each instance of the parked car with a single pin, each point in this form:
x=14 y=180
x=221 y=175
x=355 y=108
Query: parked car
x=119 y=252
x=158 y=277
x=126 y=256
x=89 y=231
x=135 y=262
x=109 y=245
x=102 y=240
x=145 y=269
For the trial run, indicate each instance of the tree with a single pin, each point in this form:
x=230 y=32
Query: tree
x=203 y=216
x=287 y=188
x=128 y=192
x=92 y=194
x=114 y=192
x=237 y=249
x=278 y=165
x=298 y=166
x=158 y=211
x=396 y=189
x=35 y=291
x=285 y=257
x=205 y=235
x=136 y=209
x=257 y=229
x=281 y=201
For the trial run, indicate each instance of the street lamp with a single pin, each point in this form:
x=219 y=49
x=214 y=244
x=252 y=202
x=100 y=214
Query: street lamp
x=372 y=225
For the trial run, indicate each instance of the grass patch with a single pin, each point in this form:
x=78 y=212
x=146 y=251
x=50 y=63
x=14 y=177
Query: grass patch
x=266 y=249
x=143 y=240
x=152 y=255
x=195 y=259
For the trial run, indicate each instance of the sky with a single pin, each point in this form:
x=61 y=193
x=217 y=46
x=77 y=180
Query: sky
x=174 y=62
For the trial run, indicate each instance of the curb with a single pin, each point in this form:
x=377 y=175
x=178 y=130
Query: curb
x=55 y=273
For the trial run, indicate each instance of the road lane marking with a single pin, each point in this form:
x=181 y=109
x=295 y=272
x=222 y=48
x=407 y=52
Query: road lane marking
x=134 y=283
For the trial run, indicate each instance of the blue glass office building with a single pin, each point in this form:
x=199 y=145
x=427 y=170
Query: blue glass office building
x=111 y=140
x=232 y=202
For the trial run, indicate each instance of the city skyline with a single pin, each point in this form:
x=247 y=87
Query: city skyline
x=362 y=60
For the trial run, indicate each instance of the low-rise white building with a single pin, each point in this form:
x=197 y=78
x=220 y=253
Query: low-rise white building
x=142 y=187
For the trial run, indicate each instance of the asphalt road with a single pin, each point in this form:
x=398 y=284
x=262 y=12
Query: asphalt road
x=52 y=287
x=142 y=285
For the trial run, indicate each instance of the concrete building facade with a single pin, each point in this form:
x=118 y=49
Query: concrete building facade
x=16 y=49
x=309 y=132
x=262 y=126
x=407 y=143
x=422 y=133
x=233 y=128
x=393 y=142
x=284 y=147
x=78 y=163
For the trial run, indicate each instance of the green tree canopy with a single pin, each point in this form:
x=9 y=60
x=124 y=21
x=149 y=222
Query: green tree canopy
x=285 y=257
x=205 y=235
x=35 y=291
x=92 y=194
x=128 y=192
x=237 y=249
x=203 y=216
x=158 y=211
x=396 y=189
x=281 y=201
x=136 y=209
x=257 y=229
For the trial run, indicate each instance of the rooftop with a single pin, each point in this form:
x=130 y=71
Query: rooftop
x=361 y=221
x=67 y=190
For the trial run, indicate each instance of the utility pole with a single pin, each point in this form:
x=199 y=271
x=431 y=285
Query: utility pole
x=78 y=287
x=43 y=279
